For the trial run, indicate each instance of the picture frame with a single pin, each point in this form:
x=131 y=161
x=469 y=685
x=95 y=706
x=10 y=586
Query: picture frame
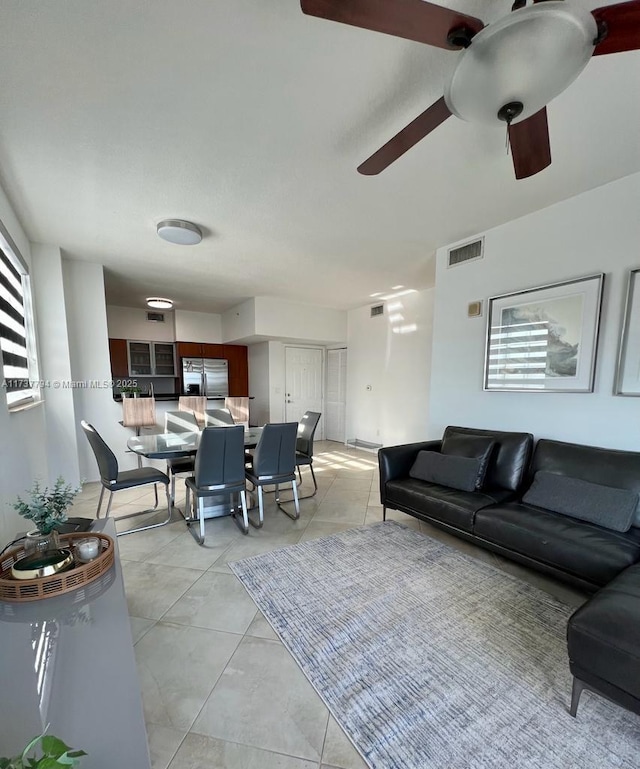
x=627 y=381
x=544 y=339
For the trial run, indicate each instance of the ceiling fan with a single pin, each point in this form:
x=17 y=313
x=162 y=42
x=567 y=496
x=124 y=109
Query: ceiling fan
x=508 y=71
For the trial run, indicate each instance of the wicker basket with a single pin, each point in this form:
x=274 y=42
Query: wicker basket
x=34 y=589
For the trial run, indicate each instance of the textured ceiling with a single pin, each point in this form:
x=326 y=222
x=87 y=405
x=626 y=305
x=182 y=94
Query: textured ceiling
x=249 y=118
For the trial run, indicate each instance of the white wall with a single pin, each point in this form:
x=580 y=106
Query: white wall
x=89 y=353
x=258 y=355
x=239 y=322
x=278 y=318
x=198 y=327
x=22 y=434
x=396 y=368
x=268 y=316
x=598 y=231
x=132 y=323
x=55 y=364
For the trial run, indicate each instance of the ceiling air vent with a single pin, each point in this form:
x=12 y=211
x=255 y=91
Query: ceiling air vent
x=377 y=309
x=156 y=317
x=466 y=252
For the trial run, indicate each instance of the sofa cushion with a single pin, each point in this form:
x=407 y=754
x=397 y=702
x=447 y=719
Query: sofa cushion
x=589 y=552
x=610 y=467
x=428 y=500
x=462 y=473
x=604 y=635
x=511 y=458
x=602 y=505
x=473 y=446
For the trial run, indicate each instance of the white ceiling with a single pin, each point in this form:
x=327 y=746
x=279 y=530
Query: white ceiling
x=249 y=118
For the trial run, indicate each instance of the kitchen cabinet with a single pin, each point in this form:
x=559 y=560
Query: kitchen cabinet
x=238 y=369
x=235 y=354
x=151 y=358
x=119 y=360
x=199 y=350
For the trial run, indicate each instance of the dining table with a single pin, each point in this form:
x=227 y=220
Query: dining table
x=165 y=446
x=174 y=445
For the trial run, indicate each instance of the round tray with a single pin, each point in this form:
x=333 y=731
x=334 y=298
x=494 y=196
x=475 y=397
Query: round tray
x=81 y=574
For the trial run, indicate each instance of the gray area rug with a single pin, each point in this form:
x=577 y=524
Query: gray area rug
x=430 y=659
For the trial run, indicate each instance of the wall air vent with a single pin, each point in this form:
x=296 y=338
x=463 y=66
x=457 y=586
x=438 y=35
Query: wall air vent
x=156 y=317
x=377 y=309
x=466 y=252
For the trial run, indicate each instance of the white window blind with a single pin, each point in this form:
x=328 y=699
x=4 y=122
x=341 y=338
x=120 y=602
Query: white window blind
x=15 y=330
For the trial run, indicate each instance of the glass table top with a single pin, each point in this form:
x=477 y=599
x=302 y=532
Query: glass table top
x=171 y=445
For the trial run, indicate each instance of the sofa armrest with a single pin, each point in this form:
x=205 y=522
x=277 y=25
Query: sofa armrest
x=396 y=461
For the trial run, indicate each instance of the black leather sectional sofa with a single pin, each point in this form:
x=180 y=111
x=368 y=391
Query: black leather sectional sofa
x=508 y=498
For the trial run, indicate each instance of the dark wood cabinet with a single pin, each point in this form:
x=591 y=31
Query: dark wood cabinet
x=237 y=356
x=118 y=355
x=189 y=350
x=213 y=351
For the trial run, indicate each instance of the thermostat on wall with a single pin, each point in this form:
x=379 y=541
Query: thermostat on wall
x=474 y=310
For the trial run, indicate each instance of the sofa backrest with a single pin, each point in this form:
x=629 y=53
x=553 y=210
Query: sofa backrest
x=608 y=467
x=510 y=460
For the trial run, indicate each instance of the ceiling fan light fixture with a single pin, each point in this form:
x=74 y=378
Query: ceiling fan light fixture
x=529 y=56
x=159 y=303
x=179 y=231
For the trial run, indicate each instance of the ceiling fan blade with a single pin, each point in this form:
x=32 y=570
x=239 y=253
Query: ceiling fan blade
x=622 y=24
x=417 y=129
x=530 y=147
x=412 y=19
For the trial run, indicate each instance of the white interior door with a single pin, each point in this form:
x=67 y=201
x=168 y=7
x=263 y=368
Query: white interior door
x=336 y=400
x=303 y=383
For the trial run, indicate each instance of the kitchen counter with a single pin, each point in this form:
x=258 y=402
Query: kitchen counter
x=68 y=661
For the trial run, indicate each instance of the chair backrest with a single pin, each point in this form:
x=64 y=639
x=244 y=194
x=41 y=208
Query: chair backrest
x=180 y=422
x=106 y=459
x=220 y=456
x=218 y=418
x=306 y=431
x=275 y=453
x=239 y=407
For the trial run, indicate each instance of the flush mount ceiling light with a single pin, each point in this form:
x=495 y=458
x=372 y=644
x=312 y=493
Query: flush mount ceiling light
x=179 y=232
x=158 y=303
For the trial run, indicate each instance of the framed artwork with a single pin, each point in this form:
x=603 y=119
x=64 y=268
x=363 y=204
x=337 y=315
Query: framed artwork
x=628 y=374
x=544 y=339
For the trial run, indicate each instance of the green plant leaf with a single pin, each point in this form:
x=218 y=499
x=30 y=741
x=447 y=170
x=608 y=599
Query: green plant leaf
x=47 y=762
x=54 y=747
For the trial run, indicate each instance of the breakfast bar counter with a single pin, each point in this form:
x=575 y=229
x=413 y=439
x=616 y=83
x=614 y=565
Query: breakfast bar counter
x=68 y=662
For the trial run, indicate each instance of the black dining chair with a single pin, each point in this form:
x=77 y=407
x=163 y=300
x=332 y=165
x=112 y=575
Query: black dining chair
x=218 y=418
x=179 y=422
x=114 y=479
x=304 y=446
x=219 y=470
x=274 y=463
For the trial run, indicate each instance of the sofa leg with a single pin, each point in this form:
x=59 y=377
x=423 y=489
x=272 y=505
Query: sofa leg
x=576 y=691
x=384 y=513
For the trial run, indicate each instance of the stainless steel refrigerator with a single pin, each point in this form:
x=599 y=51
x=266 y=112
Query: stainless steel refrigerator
x=205 y=376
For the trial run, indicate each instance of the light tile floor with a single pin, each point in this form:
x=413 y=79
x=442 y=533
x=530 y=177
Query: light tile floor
x=219 y=689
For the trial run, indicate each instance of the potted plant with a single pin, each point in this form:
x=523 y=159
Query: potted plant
x=46 y=508
x=130 y=391
x=54 y=754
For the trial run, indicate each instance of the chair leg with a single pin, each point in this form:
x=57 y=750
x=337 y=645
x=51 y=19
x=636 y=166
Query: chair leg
x=294 y=488
x=245 y=515
x=384 y=513
x=100 y=502
x=576 y=691
x=106 y=515
x=201 y=517
x=260 y=510
x=150 y=510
